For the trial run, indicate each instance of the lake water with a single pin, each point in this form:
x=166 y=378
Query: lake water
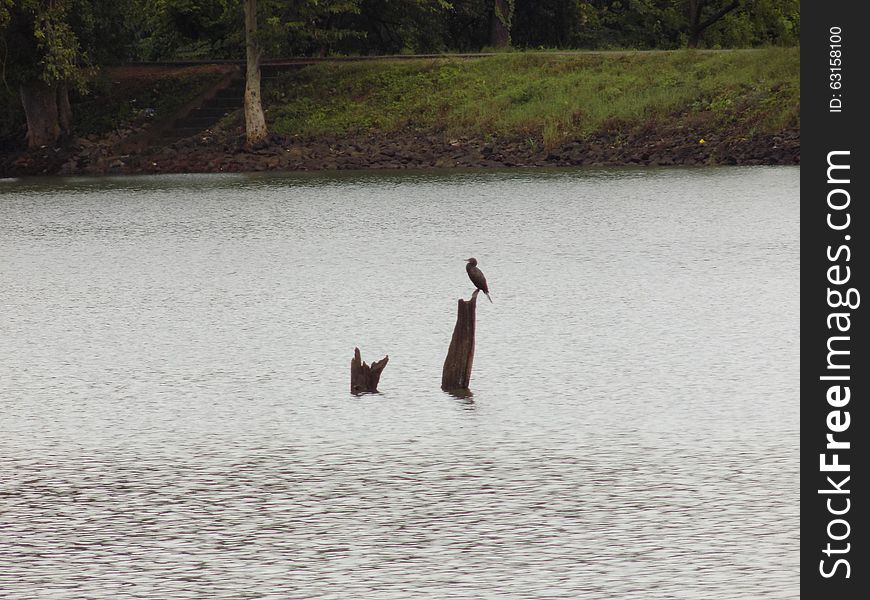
x=174 y=385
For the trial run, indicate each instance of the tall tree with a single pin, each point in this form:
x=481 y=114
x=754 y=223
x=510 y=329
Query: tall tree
x=49 y=48
x=704 y=13
x=310 y=26
x=41 y=57
x=500 y=25
x=205 y=29
x=255 y=120
x=415 y=26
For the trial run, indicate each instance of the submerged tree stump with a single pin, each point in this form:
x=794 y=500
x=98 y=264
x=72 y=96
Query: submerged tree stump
x=364 y=378
x=456 y=374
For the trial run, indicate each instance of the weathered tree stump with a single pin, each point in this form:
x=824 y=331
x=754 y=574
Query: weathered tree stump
x=364 y=378
x=456 y=374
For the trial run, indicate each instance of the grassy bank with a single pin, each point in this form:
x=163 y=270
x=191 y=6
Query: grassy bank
x=548 y=97
x=684 y=107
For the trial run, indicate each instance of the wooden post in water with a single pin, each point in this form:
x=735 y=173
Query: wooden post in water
x=456 y=374
x=364 y=378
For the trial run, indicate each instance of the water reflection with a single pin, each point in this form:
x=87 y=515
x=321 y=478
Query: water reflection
x=465 y=397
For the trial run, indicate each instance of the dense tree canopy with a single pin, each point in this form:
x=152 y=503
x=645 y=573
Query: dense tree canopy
x=59 y=37
x=213 y=28
x=648 y=24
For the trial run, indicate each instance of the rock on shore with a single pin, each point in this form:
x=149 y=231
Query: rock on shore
x=211 y=152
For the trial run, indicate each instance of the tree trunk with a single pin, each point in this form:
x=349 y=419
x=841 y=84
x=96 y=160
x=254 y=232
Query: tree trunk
x=694 y=22
x=500 y=26
x=364 y=378
x=255 y=121
x=64 y=111
x=40 y=110
x=456 y=374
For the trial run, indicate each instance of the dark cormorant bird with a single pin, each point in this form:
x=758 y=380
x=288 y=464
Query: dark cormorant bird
x=476 y=276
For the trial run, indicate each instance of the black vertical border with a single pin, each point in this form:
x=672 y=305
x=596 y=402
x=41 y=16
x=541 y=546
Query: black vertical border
x=824 y=131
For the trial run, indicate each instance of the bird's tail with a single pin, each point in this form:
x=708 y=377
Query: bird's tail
x=487 y=296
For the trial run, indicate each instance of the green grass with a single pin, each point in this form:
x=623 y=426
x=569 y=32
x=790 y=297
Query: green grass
x=545 y=96
x=539 y=97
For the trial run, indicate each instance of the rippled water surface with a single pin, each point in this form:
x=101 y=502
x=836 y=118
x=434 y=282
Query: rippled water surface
x=174 y=375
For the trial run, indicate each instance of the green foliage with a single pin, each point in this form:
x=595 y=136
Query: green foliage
x=755 y=23
x=38 y=42
x=323 y=27
x=543 y=96
x=548 y=23
x=54 y=39
x=422 y=26
x=60 y=40
x=105 y=30
x=309 y=27
x=189 y=29
x=56 y=43
x=5 y=16
x=652 y=24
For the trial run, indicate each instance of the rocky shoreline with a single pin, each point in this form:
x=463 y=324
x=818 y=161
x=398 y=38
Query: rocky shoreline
x=211 y=152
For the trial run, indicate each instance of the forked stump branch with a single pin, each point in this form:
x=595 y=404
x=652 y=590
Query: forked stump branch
x=456 y=374
x=364 y=378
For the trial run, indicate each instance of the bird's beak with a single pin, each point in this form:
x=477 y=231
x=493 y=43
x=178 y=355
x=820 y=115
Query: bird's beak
x=467 y=260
